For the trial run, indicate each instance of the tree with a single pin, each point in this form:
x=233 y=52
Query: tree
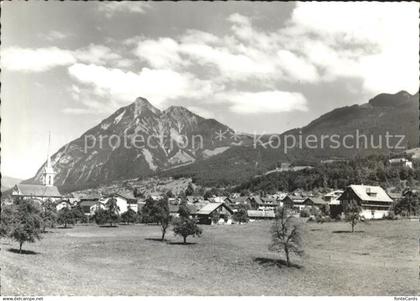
x=183 y=210
x=112 y=212
x=352 y=212
x=27 y=223
x=65 y=216
x=409 y=203
x=170 y=194
x=147 y=211
x=286 y=234
x=100 y=216
x=48 y=215
x=130 y=216
x=161 y=214
x=241 y=215
x=8 y=213
x=215 y=217
x=137 y=193
x=186 y=227
x=78 y=214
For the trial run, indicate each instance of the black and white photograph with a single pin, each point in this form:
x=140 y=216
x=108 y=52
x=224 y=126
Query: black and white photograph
x=209 y=148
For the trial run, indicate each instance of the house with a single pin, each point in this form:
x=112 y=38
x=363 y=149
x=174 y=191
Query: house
x=255 y=202
x=174 y=209
x=220 y=199
x=402 y=162
x=332 y=197
x=37 y=192
x=296 y=202
x=261 y=214
x=205 y=214
x=240 y=201
x=88 y=203
x=270 y=203
x=156 y=196
x=62 y=204
x=373 y=200
x=316 y=202
x=194 y=199
x=124 y=201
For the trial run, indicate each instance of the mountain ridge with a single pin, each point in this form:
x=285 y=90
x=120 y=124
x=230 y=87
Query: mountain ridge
x=229 y=157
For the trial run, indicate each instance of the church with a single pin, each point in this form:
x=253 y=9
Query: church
x=39 y=192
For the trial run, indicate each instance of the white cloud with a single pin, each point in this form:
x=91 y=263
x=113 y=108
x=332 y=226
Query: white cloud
x=158 y=85
x=35 y=60
x=43 y=59
x=160 y=53
x=54 y=35
x=78 y=111
x=96 y=54
x=265 y=102
x=297 y=68
x=377 y=43
x=114 y=7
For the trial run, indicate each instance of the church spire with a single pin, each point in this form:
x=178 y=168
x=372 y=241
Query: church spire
x=48 y=174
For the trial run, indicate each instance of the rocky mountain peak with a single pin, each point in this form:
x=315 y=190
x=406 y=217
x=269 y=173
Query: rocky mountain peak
x=141 y=104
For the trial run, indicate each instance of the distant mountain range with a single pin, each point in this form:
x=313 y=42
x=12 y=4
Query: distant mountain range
x=220 y=156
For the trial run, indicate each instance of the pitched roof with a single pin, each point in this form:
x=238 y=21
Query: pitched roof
x=209 y=208
x=318 y=201
x=87 y=202
x=37 y=190
x=258 y=200
x=377 y=193
x=395 y=195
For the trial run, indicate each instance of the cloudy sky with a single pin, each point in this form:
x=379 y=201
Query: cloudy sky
x=257 y=67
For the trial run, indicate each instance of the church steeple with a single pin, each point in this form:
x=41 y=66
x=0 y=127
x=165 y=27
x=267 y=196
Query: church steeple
x=48 y=174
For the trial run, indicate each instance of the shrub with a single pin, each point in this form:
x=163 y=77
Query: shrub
x=241 y=216
x=305 y=212
x=130 y=216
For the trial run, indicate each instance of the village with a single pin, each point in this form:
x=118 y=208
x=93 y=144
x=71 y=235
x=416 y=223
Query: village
x=374 y=201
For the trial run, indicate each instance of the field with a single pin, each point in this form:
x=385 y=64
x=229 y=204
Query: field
x=380 y=259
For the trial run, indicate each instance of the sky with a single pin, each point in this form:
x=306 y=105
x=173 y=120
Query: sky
x=257 y=67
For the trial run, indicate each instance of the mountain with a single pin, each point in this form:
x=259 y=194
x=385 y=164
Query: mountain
x=96 y=158
x=395 y=114
x=136 y=140
x=8 y=182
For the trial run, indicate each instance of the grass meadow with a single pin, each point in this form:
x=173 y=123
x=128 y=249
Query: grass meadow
x=381 y=258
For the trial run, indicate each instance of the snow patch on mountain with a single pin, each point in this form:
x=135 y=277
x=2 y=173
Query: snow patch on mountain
x=119 y=117
x=105 y=126
x=149 y=159
x=207 y=153
x=181 y=157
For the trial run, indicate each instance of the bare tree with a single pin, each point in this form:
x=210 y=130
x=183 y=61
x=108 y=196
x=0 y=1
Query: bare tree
x=352 y=213
x=286 y=234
